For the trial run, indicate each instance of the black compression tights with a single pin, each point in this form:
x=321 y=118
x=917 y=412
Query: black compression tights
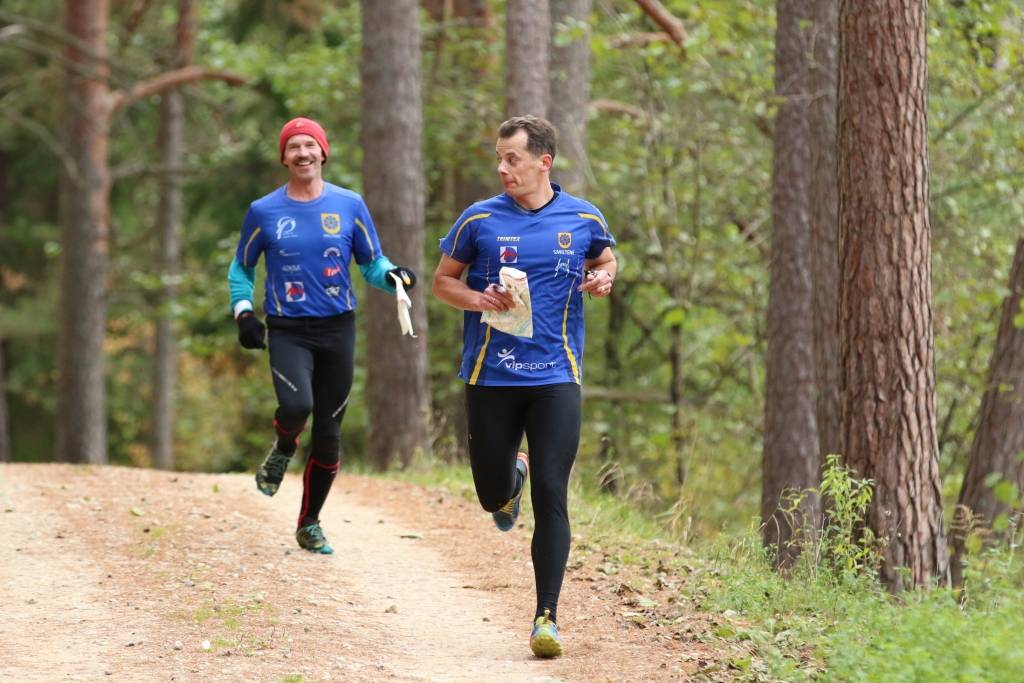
x=549 y=415
x=311 y=360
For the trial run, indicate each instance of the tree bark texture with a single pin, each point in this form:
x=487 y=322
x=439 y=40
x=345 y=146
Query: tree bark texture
x=885 y=314
x=999 y=439
x=5 y=425
x=82 y=429
x=397 y=389
x=172 y=142
x=791 y=461
x=570 y=93
x=527 y=37
x=824 y=202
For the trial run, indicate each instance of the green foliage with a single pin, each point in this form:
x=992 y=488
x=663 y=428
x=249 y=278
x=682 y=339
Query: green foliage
x=831 y=603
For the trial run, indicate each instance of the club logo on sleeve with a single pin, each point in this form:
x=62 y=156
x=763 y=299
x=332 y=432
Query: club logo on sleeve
x=331 y=223
x=509 y=254
x=294 y=291
x=565 y=240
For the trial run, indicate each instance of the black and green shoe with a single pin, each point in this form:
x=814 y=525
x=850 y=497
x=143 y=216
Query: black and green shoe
x=271 y=472
x=311 y=538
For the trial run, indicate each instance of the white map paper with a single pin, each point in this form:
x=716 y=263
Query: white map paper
x=518 y=320
x=404 y=306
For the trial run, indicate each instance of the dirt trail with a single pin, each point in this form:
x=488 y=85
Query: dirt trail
x=123 y=574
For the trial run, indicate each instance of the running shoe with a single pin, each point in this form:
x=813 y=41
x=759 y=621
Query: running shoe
x=271 y=472
x=506 y=517
x=544 y=640
x=311 y=538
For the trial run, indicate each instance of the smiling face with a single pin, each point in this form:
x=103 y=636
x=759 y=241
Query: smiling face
x=303 y=158
x=522 y=174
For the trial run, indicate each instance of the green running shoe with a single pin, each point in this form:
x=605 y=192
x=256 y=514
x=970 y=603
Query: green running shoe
x=506 y=517
x=311 y=538
x=544 y=640
x=271 y=472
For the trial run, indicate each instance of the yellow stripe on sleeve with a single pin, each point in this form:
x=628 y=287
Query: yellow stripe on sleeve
x=273 y=289
x=245 y=251
x=458 y=232
x=480 y=357
x=367 y=234
x=565 y=335
x=595 y=217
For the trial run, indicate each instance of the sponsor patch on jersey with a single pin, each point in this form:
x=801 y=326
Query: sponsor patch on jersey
x=285 y=227
x=291 y=268
x=332 y=291
x=294 y=291
x=508 y=254
x=507 y=360
x=565 y=240
x=331 y=223
x=331 y=271
x=332 y=251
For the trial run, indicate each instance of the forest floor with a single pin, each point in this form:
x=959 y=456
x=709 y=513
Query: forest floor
x=120 y=574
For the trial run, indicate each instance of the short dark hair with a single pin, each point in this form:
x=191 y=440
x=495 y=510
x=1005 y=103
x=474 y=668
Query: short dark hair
x=540 y=134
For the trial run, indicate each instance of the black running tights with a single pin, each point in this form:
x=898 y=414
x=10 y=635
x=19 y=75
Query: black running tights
x=311 y=360
x=549 y=415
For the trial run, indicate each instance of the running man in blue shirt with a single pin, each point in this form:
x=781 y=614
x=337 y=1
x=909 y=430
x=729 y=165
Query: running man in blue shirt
x=307 y=232
x=519 y=385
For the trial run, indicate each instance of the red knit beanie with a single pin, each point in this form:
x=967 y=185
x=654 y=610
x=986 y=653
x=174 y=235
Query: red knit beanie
x=302 y=126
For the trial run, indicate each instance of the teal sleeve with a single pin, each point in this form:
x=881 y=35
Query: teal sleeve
x=241 y=282
x=376 y=273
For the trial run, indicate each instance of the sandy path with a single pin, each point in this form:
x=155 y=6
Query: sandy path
x=122 y=574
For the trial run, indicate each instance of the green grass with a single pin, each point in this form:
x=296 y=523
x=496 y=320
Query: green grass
x=830 y=620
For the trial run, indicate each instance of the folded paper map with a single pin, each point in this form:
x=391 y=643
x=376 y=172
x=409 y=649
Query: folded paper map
x=518 y=320
x=404 y=305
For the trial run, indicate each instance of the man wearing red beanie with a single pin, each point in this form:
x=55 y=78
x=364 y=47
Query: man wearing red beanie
x=308 y=231
x=303 y=126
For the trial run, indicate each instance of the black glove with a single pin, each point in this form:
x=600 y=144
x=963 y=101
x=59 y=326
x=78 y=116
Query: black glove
x=407 y=277
x=251 y=332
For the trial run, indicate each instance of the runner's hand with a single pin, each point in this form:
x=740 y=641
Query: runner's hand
x=404 y=274
x=251 y=332
x=496 y=298
x=597 y=283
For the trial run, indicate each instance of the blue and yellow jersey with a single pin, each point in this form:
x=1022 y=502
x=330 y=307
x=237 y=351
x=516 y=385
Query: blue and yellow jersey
x=550 y=246
x=307 y=248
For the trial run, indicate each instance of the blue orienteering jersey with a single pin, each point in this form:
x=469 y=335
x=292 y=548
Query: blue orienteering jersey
x=307 y=247
x=550 y=246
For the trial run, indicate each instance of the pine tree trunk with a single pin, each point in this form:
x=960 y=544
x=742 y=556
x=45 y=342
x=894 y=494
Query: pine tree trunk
x=791 y=461
x=527 y=37
x=165 y=362
x=999 y=439
x=885 y=314
x=570 y=94
x=5 y=429
x=82 y=429
x=397 y=389
x=824 y=201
